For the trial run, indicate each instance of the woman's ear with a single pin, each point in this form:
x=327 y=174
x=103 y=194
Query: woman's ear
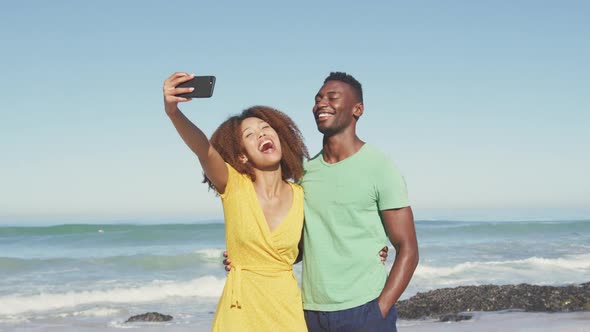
x=243 y=159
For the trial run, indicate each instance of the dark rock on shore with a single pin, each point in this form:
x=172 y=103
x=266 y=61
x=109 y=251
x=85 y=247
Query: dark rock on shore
x=526 y=297
x=149 y=317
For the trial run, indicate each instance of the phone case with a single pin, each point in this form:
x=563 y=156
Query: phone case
x=203 y=87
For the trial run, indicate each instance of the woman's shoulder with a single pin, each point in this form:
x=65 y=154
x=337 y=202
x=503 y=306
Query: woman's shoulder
x=296 y=187
x=236 y=181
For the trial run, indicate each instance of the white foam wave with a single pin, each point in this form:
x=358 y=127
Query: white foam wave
x=208 y=287
x=210 y=253
x=574 y=263
x=534 y=270
x=13 y=320
x=94 y=312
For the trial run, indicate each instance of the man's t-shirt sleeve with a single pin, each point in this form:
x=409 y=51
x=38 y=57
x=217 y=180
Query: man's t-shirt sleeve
x=391 y=188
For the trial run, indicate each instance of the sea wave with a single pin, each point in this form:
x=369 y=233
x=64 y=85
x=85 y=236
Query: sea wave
x=72 y=229
x=212 y=254
x=94 y=312
x=535 y=270
x=149 y=262
x=109 y=237
x=205 y=287
x=513 y=228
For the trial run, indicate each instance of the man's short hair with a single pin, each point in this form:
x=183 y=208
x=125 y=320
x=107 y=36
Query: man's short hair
x=348 y=79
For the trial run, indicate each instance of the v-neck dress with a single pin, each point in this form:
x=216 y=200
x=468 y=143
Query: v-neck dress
x=261 y=293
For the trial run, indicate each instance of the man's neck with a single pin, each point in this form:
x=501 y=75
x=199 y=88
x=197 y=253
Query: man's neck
x=340 y=146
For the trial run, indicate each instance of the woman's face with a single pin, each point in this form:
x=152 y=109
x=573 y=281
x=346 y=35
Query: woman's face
x=261 y=143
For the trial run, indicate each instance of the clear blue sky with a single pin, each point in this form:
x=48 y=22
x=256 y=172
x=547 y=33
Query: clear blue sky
x=482 y=105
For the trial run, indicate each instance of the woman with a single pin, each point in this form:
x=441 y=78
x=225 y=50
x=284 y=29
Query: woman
x=250 y=161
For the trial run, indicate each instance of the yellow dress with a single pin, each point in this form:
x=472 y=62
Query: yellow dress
x=261 y=293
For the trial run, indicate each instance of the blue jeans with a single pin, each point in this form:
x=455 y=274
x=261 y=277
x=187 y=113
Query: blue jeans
x=366 y=317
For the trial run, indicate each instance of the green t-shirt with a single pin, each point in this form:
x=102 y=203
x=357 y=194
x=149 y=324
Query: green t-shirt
x=343 y=232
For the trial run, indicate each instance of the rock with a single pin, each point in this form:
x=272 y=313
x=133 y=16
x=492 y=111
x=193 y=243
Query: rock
x=149 y=317
x=494 y=298
x=455 y=317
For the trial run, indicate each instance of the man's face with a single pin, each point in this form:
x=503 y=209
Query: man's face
x=334 y=108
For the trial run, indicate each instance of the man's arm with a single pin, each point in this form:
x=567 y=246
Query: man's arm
x=300 y=247
x=399 y=224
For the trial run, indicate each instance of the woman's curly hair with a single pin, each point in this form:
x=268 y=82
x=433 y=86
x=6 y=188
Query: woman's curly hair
x=227 y=141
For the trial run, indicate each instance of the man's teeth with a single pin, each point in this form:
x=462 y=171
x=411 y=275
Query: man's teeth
x=324 y=115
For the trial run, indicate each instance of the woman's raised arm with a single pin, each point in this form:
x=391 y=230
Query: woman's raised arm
x=212 y=163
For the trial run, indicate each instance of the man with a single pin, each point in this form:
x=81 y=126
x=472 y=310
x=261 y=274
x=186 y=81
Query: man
x=354 y=199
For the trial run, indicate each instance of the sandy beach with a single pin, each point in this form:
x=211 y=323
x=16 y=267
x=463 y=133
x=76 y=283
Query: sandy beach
x=481 y=322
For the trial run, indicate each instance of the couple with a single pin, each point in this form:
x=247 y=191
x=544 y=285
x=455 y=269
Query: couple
x=354 y=200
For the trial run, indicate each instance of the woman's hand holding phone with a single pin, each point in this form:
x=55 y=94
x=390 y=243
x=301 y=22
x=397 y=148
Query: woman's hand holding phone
x=171 y=90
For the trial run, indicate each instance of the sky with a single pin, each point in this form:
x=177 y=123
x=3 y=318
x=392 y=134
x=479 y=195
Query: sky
x=484 y=106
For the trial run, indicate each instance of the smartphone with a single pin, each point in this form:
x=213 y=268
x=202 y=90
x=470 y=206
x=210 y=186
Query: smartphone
x=203 y=87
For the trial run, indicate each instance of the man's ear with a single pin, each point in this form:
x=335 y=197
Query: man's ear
x=358 y=110
x=243 y=159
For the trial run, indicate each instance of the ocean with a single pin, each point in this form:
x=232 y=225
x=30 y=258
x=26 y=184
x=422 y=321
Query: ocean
x=92 y=277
